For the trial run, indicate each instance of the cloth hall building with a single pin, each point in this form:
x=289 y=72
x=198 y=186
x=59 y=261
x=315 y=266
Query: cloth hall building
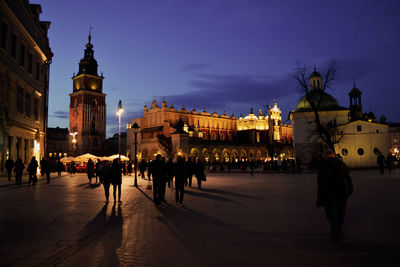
x=209 y=136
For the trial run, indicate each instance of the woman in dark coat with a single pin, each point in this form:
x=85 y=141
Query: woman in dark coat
x=116 y=178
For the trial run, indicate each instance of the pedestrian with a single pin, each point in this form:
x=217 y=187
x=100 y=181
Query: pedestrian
x=90 y=170
x=18 y=169
x=189 y=172
x=180 y=178
x=9 y=166
x=42 y=167
x=72 y=168
x=170 y=171
x=129 y=167
x=381 y=163
x=47 y=168
x=389 y=162
x=157 y=171
x=116 y=179
x=96 y=169
x=163 y=181
x=32 y=170
x=105 y=178
x=334 y=188
x=142 y=167
x=59 y=167
x=199 y=172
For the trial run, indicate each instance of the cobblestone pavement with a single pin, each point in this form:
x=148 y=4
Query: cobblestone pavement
x=236 y=220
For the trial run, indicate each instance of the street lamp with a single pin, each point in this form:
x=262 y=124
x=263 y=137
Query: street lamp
x=120 y=110
x=74 y=140
x=135 y=128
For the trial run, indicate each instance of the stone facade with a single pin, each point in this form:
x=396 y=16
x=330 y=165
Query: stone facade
x=58 y=142
x=210 y=137
x=25 y=58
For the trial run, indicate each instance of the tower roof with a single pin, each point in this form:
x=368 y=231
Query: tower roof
x=88 y=65
x=355 y=92
x=315 y=74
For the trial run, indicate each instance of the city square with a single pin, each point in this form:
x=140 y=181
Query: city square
x=237 y=219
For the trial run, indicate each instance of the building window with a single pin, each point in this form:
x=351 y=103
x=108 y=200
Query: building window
x=28 y=104
x=358 y=128
x=4 y=35
x=360 y=151
x=30 y=62
x=20 y=100
x=36 y=109
x=14 y=46
x=22 y=55
x=345 y=152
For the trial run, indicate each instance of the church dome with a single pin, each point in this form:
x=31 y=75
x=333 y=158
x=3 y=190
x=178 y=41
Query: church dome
x=315 y=74
x=327 y=101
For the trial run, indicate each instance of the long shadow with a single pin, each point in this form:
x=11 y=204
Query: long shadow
x=203 y=194
x=224 y=192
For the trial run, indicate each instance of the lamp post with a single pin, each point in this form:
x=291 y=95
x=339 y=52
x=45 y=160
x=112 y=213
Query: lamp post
x=120 y=110
x=135 y=128
x=74 y=141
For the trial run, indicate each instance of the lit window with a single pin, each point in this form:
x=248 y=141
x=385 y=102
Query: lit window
x=360 y=151
x=345 y=152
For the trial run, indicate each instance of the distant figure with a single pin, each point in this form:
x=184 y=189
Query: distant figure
x=59 y=167
x=142 y=167
x=32 y=169
x=18 y=169
x=46 y=167
x=105 y=178
x=116 y=178
x=334 y=187
x=189 y=172
x=96 y=169
x=158 y=173
x=9 y=166
x=180 y=179
x=42 y=167
x=199 y=172
x=381 y=163
x=90 y=170
x=72 y=168
x=389 y=162
x=170 y=171
x=163 y=181
x=129 y=167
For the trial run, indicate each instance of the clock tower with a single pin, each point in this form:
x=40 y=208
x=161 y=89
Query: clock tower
x=87 y=109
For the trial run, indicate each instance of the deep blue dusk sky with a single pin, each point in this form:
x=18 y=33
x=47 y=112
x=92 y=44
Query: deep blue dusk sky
x=228 y=55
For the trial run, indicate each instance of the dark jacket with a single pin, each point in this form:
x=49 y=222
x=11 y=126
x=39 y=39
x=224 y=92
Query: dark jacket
x=157 y=169
x=180 y=171
x=19 y=167
x=334 y=181
x=32 y=167
x=9 y=164
x=115 y=174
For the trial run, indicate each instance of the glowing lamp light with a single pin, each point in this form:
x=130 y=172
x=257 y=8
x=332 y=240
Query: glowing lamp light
x=36 y=146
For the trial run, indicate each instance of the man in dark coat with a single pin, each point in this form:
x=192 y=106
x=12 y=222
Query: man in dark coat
x=334 y=187
x=18 y=169
x=180 y=179
x=116 y=179
x=381 y=163
x=9 y=166
x=199 y=172
x=32 y=169
x=158 y=174
x=46 y=167
x=90 y=170
x=103 y=171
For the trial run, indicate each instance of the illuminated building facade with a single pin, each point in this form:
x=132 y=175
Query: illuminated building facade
x=87 y=113
x=25 y=58
x=210 y=137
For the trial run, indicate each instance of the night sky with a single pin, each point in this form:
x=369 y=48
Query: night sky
x=225 y=55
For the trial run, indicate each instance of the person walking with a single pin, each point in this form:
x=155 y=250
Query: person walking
x=389 y=162
x=18 y=169
x=199 y=172
x=105 y=178
x=129 y=167
x=59 y=167
x=163 y=181
x=381 y=163
x=334 y=188
x=180 y=179
x=189 y=170
x=72 y=168
x=46 y=167
x=142 y=167
x=32 y=170
x=9 y=167
x=96 y=170
x=90 y=170
x=116 y=179
x=157 y=172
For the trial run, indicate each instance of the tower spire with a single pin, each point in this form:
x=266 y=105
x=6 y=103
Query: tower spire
x=90 y=34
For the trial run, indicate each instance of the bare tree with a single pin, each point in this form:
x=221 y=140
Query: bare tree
x=327 y=132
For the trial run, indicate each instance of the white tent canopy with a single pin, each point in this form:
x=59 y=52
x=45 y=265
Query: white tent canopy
x=85 y=158
x=67 y=159
x=111 y=158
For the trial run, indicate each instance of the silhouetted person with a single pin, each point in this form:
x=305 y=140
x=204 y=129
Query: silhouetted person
x=59 y=167
x=96 y=167
x=158 y=173
x=163 y=181
x=116 y=178
x=90 y=170
x=189 y=172
x=9 y=166
x=180 y=179
x=129 y=167
x=42 y=167
x=199 y=172
x=46 y=167
x=18 y=169
x=105 y=178
x=32 y=170
x=389 y=162
x=381 y=163
x=142 y=167
x=73 y=168
x=334 y=187
x=170 y=171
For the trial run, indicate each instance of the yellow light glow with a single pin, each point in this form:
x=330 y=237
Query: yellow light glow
x=36 y=146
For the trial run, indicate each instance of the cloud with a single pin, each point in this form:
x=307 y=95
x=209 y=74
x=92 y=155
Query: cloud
x=193 y=67
x=60 y=114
